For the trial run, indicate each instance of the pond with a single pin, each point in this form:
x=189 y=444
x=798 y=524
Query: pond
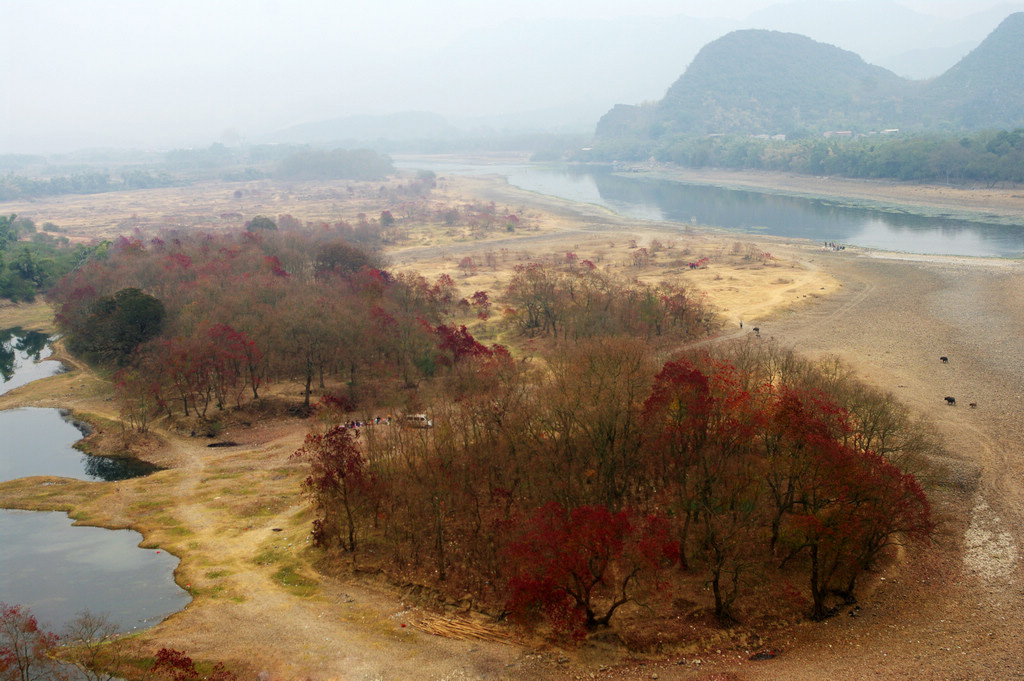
x=38 y=441
x=57 y=570
x=751 y=212
x=23 y=358
x=46 y=565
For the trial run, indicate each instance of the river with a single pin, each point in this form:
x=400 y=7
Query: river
x=749 y=212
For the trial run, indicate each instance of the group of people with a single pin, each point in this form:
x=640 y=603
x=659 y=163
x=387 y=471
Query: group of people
x=833 y=246
x=375 y=421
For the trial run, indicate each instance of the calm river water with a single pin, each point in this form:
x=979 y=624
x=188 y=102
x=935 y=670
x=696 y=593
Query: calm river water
x=751 y=212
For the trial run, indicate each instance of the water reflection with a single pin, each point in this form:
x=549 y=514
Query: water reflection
x=814 y=219
x=39 y=441
x=644 y=197
x=23 y=358
x=57 y=571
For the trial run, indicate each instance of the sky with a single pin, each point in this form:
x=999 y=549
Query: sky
x=173 y=73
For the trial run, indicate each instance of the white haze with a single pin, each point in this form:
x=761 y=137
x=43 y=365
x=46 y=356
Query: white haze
x=171 y=73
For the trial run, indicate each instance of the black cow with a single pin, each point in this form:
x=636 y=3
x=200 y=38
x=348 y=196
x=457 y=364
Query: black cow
x=757 y=331
x=951 y=401
x=944 y=360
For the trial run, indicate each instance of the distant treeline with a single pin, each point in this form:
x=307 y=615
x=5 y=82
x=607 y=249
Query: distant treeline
x=184 y=166
x=989 y=157
x=21 y=187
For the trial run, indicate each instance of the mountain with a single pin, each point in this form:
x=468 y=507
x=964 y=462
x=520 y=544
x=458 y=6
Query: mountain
x=766 y=82
x=769 y=82
x=778 y=82
x=986 y=88
x=927 y=62
x=883 y=31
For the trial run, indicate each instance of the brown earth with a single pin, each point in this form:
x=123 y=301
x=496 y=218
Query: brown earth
x=951 y=611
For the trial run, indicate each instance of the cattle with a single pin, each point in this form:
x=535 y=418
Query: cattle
x=757 y=331
x=944 y=360
x=974 y=405
x=951 y=401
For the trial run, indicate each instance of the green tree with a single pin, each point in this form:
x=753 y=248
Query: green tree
x=118 y=324
x=261 y=222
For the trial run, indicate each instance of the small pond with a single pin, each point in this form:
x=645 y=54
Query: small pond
x=23 y=358
x=38 y=441
x=47 y=565
x=57 y=570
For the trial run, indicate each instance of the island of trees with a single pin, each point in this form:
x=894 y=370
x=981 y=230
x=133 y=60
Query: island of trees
x=590 y=469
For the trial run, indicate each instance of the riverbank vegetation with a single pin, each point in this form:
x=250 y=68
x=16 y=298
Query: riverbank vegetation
x=987 y=158
x=32 y=260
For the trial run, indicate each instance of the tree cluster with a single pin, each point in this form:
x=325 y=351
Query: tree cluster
x=31 y=260
x=987 y=157
x=568 y=491
x=197 y=320
x=577 y=300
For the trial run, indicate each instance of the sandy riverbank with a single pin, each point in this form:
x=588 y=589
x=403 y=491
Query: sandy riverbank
x=969 y=202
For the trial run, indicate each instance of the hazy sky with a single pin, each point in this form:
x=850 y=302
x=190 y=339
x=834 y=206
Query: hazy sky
x=159 y=73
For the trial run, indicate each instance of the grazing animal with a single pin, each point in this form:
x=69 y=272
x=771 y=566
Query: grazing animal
x=757 y=331
x=974 y=405
x=951 y=401
x=944 y=360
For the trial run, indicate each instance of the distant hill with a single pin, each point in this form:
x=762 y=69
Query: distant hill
x=985 y=89
x=768 y=82
x=362 y=129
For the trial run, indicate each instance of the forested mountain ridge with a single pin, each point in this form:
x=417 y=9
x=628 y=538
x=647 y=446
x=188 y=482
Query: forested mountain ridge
x=986 y=88
x=767 y=82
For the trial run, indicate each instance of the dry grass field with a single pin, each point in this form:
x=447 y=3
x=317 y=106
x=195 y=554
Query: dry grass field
x=238 y=521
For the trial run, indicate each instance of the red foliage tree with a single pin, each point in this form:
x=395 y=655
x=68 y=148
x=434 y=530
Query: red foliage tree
x=25 y=649
x=457 y=343
x=481 y=301
x=702 y=430
x=578 y=567
x=177 y=666
x=338 y=481
x=841 y=506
